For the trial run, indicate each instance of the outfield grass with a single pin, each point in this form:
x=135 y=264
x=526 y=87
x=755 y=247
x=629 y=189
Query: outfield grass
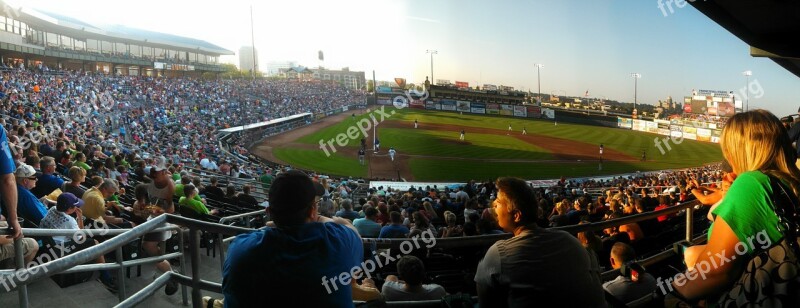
x=317 y=160
x=688 y=153
x=447 y=144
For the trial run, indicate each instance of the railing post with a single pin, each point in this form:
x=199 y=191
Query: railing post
x=184 y=295
x=689 y=223
x=219 y=241
x=19 y=259
x=194 y=239
x=120 y=275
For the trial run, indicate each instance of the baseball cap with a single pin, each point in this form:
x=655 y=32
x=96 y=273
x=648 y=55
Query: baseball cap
x=293 y=191
x=66 y=201
x=26 y=171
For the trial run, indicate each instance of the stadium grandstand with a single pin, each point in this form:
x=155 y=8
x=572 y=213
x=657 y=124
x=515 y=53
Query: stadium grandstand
x=117 y=119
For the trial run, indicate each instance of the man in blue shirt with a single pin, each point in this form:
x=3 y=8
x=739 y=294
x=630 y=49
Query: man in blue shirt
x=301 y=257
x=48 y=181
x=367 y=226
x=8 y=190
x=396 y=229
x=28 y=206
x=347 y=211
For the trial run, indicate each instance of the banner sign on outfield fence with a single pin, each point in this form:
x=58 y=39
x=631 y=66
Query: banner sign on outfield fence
x=548 y=113
x=663 y=131
x=639 y=125
x=704 y=134
x=520 y=111
x=417 y=104
x=534 y=112
x=448 y=105
x=492 y=108
x=506 y=110
x=462 y=106
x=431 y=105
x=624 y=123
x=652 y=127
x=479 y=108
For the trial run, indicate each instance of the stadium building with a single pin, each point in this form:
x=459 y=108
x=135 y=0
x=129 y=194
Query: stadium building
x=49 y=41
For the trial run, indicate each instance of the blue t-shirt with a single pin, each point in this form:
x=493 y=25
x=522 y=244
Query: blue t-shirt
x=6 y=159
x=367 y=227
x=393 y=231
x=352 y=215
x=46 y=184
x=292 y=265
x=28 y=206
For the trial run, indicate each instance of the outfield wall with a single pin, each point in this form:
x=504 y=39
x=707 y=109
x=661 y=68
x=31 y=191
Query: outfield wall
x=693 y=130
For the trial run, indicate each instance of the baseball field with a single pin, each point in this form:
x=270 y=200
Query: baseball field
x=434 y=151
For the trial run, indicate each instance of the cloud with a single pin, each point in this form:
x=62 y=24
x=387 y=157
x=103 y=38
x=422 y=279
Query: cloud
x=424 y=19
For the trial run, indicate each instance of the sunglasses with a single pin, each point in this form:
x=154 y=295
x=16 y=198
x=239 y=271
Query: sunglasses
x=33 y=178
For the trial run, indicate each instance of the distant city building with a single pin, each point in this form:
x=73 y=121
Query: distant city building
x=349 y=79
x=246 y=58
x=299 y=72
x=274 y=67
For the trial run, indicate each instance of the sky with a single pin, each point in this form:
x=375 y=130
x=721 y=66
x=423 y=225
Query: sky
x=583 y=45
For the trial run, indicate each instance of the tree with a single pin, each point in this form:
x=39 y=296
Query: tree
x=370 y=86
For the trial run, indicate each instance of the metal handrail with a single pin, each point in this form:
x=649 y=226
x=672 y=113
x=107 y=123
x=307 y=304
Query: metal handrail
x=73 y=263
x=237 y=216
x=657 y=258
x=480 y=240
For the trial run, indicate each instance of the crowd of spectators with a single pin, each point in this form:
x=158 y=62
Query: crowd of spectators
x=120 y=144
x=94 y=136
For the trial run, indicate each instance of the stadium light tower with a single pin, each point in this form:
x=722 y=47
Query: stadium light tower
x=432 y=52
x=539 y=81
x=636 y=77
x=747 y=75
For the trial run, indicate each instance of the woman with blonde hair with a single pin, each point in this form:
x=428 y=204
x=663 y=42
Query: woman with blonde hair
x=754 y=229
x=452 y=229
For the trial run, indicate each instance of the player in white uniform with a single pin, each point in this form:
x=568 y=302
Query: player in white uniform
x=391 y=153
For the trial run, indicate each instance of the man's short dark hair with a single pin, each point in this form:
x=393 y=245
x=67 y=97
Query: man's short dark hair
x=370 y=211
x=520 y=197
x=395 y=217
x=411 y=270
x=291 y=196
x=623 y=253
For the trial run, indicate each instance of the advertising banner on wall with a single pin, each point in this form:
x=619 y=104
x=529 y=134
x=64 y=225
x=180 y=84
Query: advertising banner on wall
x=534 y=112
x=492 y=108
x=520 y=111
x=676 y=134
x=506 y=110
x=462 y=84
x=448 y=104
x=462 y=106
x=639 y=125
x=689 y=130
x=548 y=113
x=479 y=108
x=652 y=127
x=431 y=105
x=624 y=123
x=703 y=134
x=691 y=136
x=417 y=104
x=663 y=131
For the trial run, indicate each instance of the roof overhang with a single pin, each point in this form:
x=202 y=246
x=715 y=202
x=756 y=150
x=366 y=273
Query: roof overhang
x=44 y=22
x=770 y=27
